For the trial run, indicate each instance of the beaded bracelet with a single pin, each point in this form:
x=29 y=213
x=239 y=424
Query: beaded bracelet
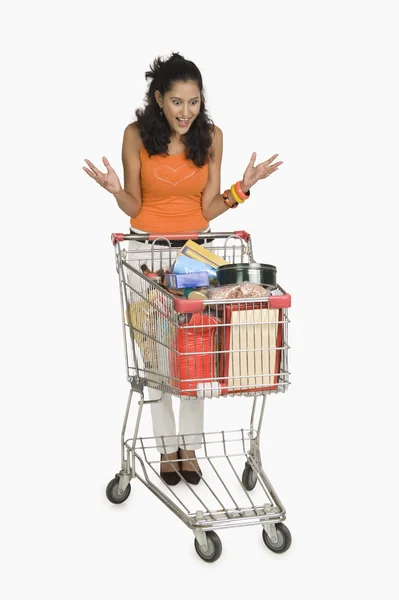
x=243 y=195
x=235 y=195
x=227 y=200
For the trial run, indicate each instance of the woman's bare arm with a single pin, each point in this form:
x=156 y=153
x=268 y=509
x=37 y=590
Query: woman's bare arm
x=212 y=200
x=129 y=198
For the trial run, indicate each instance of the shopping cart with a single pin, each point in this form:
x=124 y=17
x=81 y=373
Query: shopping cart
x=210 y=349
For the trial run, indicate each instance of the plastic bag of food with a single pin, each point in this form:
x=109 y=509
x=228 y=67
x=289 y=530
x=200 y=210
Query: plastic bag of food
x=252 y=290
x=245 y=289
x=224 y=292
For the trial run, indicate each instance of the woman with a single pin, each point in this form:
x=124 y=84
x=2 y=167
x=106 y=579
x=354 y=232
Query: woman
x=172 y=158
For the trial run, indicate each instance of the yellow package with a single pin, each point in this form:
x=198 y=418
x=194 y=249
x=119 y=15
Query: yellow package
x=152 y=331
x=144 y=323
x=198 y=252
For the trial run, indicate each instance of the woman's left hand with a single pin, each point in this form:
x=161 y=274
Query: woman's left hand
x=252 y=174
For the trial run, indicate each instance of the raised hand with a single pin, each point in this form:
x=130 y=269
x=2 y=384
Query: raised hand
x=109 y=180
x=252 y=174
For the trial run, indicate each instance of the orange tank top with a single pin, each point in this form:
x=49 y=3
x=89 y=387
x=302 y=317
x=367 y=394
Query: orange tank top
x=171 y=188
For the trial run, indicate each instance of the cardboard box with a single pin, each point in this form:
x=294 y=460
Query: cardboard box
x=198 y=252
x=185 y=264
x=187 y=280
x=250 y=359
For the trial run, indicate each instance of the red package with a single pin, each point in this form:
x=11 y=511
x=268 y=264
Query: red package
x=195 y=362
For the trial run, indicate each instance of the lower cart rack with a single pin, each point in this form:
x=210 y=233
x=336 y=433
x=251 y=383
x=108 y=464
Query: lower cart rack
x=223 y=494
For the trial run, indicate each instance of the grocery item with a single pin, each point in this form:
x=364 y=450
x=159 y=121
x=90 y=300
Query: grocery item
x=197 y=295
x=238 y=290
x=185 y=264
x=141 y=316
x=177 y=291
x=251 y=272
x=195 y=361
x=150 y=274
x=252 y=290
x=224 y=292
x=184 y=280
x=162 y=273
x=213 y=282
x=250 y=357
x=198 y=252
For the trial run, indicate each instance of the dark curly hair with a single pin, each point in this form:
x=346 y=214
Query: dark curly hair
x=155 y=130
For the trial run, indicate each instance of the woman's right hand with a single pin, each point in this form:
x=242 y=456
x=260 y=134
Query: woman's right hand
x=109 y=180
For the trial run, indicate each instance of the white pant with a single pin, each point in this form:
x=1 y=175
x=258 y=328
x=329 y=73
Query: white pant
x=191 y=421
x=191 y=414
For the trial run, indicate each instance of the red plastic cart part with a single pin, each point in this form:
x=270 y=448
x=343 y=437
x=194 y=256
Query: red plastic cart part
x=182 y=305
x=117 y=237
x=280 y=301
x=244 y=235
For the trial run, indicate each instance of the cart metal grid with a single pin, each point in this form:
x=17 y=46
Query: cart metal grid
x=203 y=349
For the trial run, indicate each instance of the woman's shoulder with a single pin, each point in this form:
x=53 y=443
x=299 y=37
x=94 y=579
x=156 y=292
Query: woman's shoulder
x=215 y=129
x=216 y=133
x=217 y=141
x=217 y=136
x=132 y=136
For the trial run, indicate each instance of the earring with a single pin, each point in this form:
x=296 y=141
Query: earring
x=161 y=113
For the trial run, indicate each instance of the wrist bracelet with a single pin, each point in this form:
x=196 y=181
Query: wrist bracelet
x=235 y=195
x=243 y=195
x=227 y=200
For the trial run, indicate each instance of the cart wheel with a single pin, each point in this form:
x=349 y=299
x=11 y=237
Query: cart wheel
x=283 y=539
x=214 y=547
x=112 y=492
x=248 y=478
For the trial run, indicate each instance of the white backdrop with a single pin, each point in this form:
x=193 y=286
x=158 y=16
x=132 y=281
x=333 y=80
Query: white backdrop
x=313 y=81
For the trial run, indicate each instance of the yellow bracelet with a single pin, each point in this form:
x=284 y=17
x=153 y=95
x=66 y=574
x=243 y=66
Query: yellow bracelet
x=235 y=195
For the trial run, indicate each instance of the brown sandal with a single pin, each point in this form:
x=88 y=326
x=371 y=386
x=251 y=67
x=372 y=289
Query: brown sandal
x=170 y=477
x=193 y=477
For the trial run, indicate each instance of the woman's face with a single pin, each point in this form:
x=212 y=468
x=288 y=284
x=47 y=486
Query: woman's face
x=180 y=105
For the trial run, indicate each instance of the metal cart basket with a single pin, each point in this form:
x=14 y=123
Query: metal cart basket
x=202 y=349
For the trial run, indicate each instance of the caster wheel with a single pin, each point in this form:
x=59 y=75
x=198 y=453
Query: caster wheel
x=283 y=539
x=112 y=492
x=248 y=478
x=214 y=547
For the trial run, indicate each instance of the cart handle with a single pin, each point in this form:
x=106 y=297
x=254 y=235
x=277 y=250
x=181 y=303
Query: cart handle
x=121 y=237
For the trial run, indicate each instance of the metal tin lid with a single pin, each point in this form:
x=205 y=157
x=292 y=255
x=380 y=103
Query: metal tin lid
x=235 y=266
